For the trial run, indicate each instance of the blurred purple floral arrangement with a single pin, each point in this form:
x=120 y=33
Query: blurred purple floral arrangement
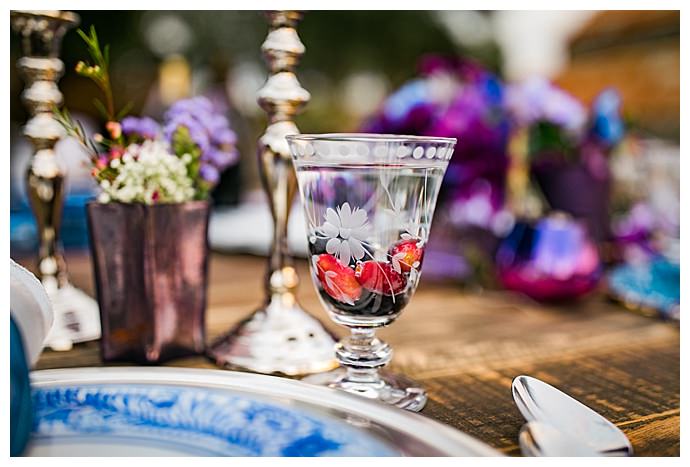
x=558 y=121
x=137 y=160
x=178 y=161
x=460 y=99
x=197 y=121
x=568 y=144
x=568 y=147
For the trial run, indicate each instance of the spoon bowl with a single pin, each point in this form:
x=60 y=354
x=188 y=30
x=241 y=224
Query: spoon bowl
x=541 y=402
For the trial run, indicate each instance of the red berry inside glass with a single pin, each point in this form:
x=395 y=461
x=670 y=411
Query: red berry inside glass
x=337 y=281
x=407 y=254
x=380 y=277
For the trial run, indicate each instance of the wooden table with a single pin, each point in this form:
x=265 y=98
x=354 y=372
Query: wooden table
x=466 y=347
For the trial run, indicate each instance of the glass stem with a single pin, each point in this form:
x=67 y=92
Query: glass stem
x=362 y=354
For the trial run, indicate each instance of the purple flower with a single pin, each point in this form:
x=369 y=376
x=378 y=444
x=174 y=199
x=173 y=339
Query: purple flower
x=222 y=159
x=145 y=127
x=459 y=99
x=209 y=173
x=635 y=229
x=196 y=131
x=192 y=106
x=538 y=100
x=224 y=137
x=638 y=223
x=209 y=129
x=411 y=95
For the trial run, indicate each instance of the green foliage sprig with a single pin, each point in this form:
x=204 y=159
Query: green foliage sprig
x=182 y=143
x=75 y=128
x=98 y=72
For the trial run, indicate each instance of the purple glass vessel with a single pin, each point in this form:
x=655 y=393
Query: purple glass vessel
x=150 y=268
x=554 y=259
x=561 y=183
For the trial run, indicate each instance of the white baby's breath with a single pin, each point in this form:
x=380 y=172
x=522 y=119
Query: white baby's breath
x=149 y=173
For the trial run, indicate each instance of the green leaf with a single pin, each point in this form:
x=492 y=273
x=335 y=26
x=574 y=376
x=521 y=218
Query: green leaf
x=74 y=128
x=124 y=111
x=94 y=37
x=100 y=59
x=100 y=107
x=83 y=35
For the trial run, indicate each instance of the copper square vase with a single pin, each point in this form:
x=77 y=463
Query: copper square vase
x=150 y=267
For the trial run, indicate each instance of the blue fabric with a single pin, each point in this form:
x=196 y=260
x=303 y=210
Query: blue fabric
x=20 y=394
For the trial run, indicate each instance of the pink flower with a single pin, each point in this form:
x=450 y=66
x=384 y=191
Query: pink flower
x=116 y=152
x=102 y=162
x=114 y=128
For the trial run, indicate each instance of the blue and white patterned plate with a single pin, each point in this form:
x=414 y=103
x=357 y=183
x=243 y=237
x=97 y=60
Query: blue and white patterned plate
x=175 y=412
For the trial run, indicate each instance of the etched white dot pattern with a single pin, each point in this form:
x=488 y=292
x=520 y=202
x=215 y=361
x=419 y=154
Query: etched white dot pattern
x=362 y=150
x=402 y=151
x=322 y=148
x=380 y=150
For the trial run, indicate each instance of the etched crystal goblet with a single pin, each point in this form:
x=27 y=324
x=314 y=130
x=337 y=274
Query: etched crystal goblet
x=368 y=201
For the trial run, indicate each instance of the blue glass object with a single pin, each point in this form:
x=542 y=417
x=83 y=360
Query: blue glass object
x=553 y=259
x=607 y=122
x=652 y=285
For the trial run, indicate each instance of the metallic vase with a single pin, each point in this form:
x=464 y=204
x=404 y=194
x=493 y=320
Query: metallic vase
x=280 y=337
x=150 y=265
x=41 y=32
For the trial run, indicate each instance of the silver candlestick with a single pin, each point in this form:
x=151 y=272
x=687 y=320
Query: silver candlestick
x=280 y=337
x=41 y=32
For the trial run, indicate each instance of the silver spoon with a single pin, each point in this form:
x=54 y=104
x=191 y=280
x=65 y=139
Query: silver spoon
x=539 y=439
x=541 y=402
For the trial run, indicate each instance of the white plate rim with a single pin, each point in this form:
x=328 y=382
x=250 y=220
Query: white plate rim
x=447 y=440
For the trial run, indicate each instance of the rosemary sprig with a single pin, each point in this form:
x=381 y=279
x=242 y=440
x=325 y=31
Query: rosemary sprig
x=76 y=129
x=99 y=73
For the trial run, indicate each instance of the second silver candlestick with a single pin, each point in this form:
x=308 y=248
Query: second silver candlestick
x=280 y=337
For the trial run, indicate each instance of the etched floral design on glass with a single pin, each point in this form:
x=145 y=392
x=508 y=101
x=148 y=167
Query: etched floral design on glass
x=369 y=202
x=346 y=229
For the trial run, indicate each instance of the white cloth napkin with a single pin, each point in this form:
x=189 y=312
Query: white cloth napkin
x=31 y=309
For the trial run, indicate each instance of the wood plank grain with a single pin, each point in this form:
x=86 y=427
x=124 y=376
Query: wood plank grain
x=465 y=348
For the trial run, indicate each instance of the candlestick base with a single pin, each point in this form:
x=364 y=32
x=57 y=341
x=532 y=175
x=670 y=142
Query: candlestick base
x=280 y=338
x=76 y=317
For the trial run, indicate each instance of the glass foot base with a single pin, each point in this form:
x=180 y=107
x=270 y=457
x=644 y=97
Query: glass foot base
x=394 y=389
